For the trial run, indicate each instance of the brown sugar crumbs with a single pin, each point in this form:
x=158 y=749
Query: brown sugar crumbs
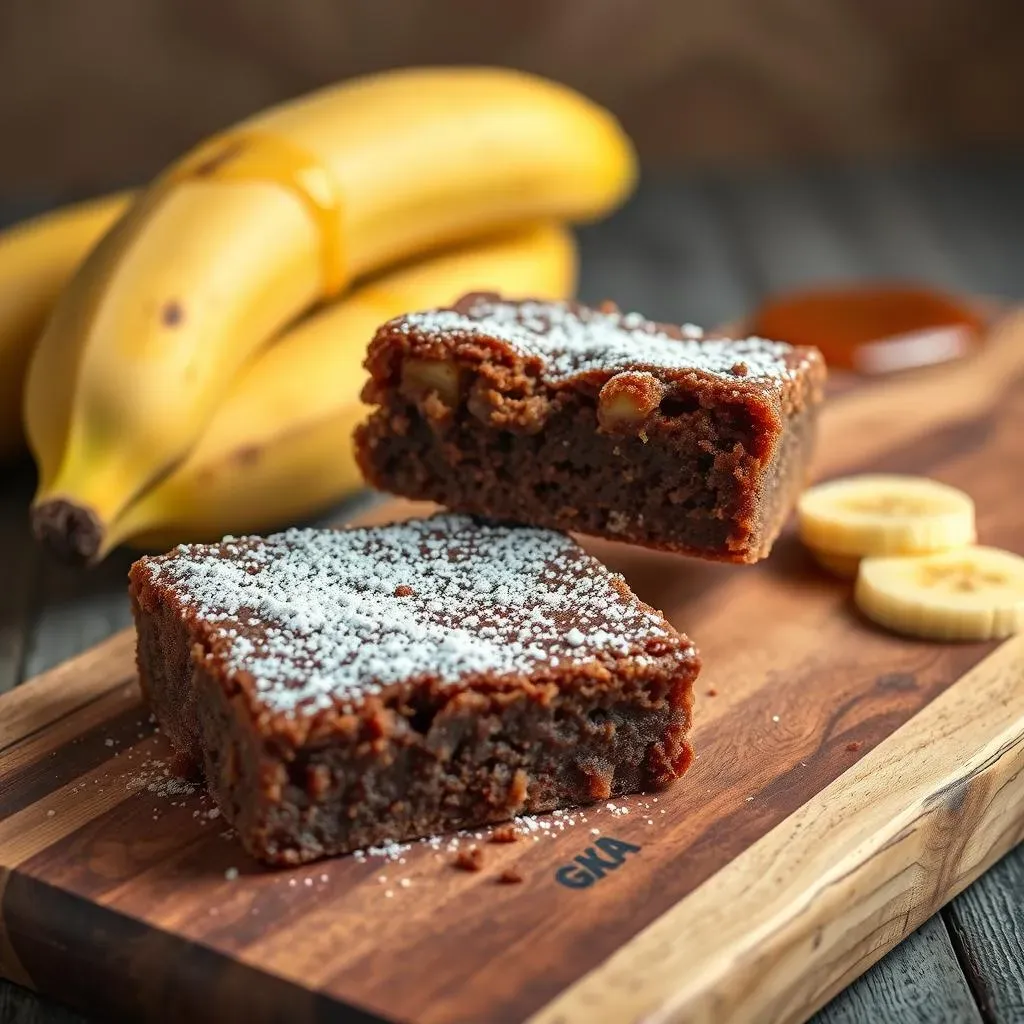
x=510 y=876
x=404 y=590
x=504 y=834
x=470 y=860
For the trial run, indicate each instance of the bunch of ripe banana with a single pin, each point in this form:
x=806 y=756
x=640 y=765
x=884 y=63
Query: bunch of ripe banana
x=191 y=355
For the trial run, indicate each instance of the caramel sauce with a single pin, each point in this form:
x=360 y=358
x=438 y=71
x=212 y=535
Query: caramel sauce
x=873 y=329
x=252 y=156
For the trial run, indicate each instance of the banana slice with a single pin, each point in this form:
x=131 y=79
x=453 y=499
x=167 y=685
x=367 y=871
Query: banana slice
x=843 y=566
x=975 y=593
x=885 y=515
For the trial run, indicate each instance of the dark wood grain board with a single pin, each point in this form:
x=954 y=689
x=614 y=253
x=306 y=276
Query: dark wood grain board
x=119 y=901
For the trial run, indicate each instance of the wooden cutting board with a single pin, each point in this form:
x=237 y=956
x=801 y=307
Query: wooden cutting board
x=848 y=783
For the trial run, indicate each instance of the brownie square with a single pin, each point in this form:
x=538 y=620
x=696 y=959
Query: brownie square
x=345 y=688
x=594 y=421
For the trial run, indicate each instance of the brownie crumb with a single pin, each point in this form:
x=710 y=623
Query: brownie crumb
x=470 y=860
x=505 y=834
x=510 y=876
x=854 y=746
x=404 y=590
x=519 y=789
x=599 y=780
x=712 y=692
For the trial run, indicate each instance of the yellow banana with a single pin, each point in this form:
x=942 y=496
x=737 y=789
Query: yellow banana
x=259 y=224
x=37 y=258
x=280 y=447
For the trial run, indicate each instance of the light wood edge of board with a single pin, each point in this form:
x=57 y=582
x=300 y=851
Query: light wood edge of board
x=795 y=918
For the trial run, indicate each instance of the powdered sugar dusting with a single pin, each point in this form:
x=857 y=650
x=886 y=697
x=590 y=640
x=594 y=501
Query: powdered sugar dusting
x=573 y=340
x=327 y=617
x=156 y=776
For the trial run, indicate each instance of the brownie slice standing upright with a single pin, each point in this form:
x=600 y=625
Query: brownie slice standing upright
x=593 y=420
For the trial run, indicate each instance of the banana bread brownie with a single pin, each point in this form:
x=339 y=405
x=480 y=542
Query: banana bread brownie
x=344 y=688
x=593 y=420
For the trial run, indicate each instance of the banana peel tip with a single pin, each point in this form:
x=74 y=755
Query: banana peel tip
x=71 y=533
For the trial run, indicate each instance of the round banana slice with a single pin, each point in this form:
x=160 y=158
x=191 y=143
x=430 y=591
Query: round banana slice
x=975 y=593
x=843 y=566
x=885 y=515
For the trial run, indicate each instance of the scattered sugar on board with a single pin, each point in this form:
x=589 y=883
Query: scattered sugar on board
x=529 y=825
x=155 y=776
x=314 y=615
x=443 y=847
x=572 y=341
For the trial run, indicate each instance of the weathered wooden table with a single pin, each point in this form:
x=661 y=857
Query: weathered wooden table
x=700 y=249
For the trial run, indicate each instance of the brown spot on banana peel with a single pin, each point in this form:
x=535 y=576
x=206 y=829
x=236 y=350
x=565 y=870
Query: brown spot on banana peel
x=172 y=314
x=247 y=455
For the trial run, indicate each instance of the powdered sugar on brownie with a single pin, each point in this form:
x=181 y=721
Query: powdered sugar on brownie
x=573 y=340
x=320 y=617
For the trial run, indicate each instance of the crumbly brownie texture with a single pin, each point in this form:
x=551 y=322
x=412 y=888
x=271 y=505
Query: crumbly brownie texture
x=591 y=420
x=343 y=688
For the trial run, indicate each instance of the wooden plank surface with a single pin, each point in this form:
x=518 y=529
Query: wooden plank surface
x=670 y=253
x=19 y=561
x=921 y=984
x=987 y=925
x=75 y=610
x=96 y=866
